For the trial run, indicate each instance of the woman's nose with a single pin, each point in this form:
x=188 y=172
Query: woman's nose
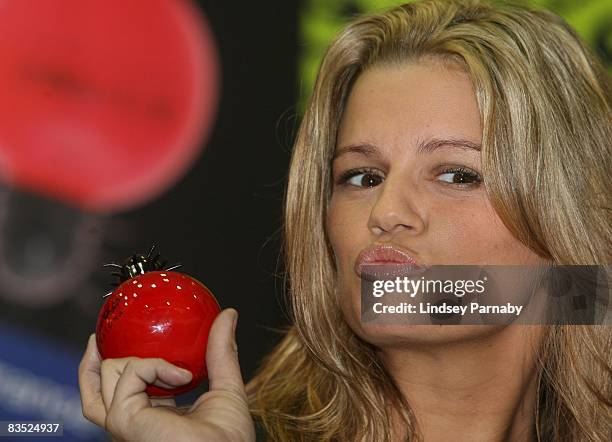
x=396 y=210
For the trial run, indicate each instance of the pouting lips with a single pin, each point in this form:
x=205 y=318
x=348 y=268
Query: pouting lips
x=388 y=271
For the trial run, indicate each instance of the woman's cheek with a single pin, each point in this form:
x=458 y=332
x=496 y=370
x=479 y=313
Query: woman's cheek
x=347 y=226
x=459 y=230
x=480 y=238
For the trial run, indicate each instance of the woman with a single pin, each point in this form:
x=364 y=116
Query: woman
x=448 y=132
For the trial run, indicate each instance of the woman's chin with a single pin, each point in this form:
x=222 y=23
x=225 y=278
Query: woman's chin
x=393 y=335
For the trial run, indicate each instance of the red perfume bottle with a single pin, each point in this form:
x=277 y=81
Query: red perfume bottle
x=157 y=313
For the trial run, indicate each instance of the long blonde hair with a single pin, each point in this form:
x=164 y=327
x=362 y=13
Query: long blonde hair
x=545 y=108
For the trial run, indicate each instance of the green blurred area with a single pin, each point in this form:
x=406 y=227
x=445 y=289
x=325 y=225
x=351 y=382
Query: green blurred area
x=320 y=20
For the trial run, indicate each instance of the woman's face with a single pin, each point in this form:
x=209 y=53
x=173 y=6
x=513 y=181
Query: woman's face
x=407 y=173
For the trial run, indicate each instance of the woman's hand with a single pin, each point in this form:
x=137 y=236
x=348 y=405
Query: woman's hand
x=113 y=394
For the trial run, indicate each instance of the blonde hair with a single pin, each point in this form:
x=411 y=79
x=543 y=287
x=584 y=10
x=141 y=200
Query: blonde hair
x=544 y=102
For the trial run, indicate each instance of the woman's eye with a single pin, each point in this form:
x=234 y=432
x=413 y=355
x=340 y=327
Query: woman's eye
x=460 y=176
x=361 y=179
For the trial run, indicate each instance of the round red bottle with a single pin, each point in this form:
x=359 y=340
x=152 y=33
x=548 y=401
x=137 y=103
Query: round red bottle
x=159 y=314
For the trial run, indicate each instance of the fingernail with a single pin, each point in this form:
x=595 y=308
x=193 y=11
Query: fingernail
x=185 y=374
x=235 y=323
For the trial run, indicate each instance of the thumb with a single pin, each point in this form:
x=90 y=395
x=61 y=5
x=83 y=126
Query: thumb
x=222 y=354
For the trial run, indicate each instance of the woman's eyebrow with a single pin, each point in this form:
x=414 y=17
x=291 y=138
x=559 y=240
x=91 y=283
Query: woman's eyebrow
x=433 y=144
x=423 y=146
x=369 y=150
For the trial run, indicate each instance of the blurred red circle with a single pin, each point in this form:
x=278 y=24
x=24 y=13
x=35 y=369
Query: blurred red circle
x=103 y=103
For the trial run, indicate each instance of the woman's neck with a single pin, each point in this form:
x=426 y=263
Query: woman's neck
x=474 y=390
